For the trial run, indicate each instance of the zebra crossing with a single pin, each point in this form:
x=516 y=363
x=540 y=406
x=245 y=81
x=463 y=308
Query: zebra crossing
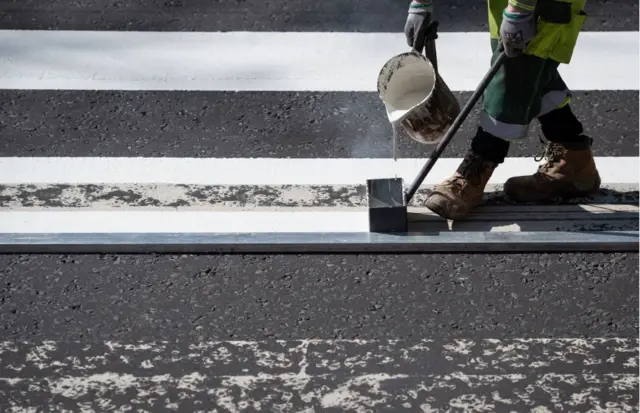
x=135 y=118
x=42 y=60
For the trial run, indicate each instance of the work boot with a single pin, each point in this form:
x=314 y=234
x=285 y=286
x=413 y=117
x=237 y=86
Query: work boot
x=569 y=171
x=459 y=194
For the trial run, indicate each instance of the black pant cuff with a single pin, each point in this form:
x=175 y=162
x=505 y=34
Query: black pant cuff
x=562 y=126
x=490 y=147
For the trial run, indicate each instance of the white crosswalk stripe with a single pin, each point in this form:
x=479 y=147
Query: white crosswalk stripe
x=242 y=61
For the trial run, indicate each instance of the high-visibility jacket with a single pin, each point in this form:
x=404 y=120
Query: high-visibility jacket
x=559 y=25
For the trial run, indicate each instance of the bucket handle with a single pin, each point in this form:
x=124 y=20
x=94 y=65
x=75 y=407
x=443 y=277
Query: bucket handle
x=425 y=39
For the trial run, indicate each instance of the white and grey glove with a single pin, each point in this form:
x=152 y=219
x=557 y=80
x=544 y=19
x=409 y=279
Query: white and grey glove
x=516 y=31
x=419 y=16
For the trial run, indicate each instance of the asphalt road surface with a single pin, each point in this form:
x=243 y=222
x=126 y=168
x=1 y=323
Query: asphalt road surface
x=314 y=332
x=306 y=332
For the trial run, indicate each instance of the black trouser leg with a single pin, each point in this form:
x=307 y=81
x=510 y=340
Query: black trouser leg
x=489 y=147
x=559 y=126
x=562 y=126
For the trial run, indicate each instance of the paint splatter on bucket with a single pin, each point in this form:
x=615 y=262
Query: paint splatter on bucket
x=416 y=97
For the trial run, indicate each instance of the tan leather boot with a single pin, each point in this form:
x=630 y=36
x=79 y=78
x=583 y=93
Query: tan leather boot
x=456 y=196
x=566 y=173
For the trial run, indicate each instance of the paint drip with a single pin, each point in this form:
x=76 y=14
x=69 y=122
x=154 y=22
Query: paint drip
x=394 y=145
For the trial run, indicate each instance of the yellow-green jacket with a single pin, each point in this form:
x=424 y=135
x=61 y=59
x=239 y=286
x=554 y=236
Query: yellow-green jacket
x=559 y=24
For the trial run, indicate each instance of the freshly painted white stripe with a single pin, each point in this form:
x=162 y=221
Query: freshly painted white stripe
x=266 y=171
x=184 y=221
x=303 y=220
x=273 y=61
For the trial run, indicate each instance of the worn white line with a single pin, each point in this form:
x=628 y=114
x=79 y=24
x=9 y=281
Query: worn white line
x=614 y=198
x=316 y=356
x=272 y=61
x=123 y=381
x=535 y=374
x=266 y=171
x=305 y=393
x=223 y=197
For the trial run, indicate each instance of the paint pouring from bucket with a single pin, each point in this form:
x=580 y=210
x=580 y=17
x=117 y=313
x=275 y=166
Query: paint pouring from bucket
x=428 y=112
x=394 y=142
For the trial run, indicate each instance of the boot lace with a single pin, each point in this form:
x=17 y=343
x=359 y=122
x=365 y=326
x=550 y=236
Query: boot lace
x=471 y=170
x=552 y=154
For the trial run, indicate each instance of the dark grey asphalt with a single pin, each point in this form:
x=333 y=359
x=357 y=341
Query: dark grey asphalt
x=278 y=15
x=219 y=124
x=131 y=298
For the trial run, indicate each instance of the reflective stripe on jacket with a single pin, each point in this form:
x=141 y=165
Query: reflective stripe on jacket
x=559 y=25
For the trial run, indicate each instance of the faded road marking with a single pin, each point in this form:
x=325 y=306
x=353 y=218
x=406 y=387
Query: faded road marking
x=285 y=392
x=544 y=375
x=148 y=196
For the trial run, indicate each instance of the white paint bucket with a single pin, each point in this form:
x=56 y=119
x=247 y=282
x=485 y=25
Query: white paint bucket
x=416 y=97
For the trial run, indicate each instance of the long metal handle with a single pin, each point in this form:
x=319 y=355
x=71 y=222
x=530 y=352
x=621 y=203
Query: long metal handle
x=454 y=128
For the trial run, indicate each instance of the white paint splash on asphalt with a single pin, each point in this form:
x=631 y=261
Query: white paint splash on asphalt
x=543 y=375
x=350 y=394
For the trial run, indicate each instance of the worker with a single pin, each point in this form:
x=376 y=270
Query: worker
x=536 y=36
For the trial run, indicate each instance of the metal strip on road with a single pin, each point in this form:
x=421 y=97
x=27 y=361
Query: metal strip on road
x=441 y=242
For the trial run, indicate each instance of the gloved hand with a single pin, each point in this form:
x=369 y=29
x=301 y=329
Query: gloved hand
x=419 y=12
x=516 y=31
